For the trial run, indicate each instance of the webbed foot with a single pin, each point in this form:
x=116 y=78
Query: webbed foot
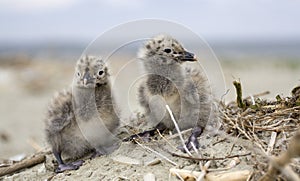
x=197 y=131
x=69 y=166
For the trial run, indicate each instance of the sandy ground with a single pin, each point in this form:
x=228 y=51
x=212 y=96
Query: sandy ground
x=26 y=89
x=132 y=162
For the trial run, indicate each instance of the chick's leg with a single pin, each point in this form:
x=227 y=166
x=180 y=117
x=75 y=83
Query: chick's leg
x=65 y=166
x=192 y=140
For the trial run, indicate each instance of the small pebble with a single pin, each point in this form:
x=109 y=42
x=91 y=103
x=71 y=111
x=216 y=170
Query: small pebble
x=118 y=170
x=181 y=166
x=88 y=174
x=149 y=177
x=106 y=164
x=68 y=174
x=4 y=137
x=42 y=169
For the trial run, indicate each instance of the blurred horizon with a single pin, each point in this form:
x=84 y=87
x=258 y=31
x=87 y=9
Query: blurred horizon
x=71 y=50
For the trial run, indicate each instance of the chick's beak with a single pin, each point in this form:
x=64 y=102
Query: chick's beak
x=188 y=56
x=86 y=78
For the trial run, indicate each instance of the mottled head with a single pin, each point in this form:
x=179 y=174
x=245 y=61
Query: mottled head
x=90 y=72
x=167 y=48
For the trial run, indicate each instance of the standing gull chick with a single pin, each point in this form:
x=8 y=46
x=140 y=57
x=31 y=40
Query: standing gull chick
x=64 y=132
x=186 y=91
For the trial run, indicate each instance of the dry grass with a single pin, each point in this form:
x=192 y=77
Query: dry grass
x=268 y=125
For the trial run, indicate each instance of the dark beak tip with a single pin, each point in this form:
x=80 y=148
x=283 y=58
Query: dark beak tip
x=189 y=57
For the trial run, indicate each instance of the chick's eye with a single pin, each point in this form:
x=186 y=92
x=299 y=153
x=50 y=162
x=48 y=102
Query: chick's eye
x=78 y=74
x=101 y=72
x=167 y=50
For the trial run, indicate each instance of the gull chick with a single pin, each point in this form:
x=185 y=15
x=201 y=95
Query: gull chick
x=169 y=82
x=63 y=132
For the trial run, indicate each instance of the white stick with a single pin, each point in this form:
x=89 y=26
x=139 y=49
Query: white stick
x=271 y=143
x=252 y=100
x=194 y=148
x=203 y=171
x=178 y=130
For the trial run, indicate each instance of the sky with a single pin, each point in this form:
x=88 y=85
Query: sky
x=82 y=20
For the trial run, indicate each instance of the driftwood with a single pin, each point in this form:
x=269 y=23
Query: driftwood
x=240 y=175
x=26 y=163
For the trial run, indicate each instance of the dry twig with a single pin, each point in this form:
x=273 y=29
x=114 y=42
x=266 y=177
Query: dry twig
x=155 y=152
x=207 y=159
x=29 y=162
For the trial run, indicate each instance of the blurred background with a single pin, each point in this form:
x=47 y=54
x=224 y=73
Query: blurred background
x=256 y=41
